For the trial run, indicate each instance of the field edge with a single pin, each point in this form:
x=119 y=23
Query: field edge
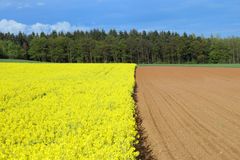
x=142 y=146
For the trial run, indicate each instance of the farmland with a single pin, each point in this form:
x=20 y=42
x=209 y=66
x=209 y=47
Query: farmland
x=193 y=65
x=67 y=111
x=190 y=112
x=87 y=111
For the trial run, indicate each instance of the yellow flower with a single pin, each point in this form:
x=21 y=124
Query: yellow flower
x=67 y=111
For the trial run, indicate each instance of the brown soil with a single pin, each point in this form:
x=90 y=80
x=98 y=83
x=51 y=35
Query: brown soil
x=190 y=113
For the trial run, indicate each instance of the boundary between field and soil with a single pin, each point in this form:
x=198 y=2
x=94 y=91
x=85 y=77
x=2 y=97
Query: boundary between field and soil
x=145 y=152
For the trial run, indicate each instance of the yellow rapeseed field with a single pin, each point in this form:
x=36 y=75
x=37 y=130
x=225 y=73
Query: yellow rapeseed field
x=67 y=111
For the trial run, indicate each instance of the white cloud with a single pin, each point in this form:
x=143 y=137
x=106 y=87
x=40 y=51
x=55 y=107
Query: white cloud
x=62 y=27
x=39 y=27
x=11 y=26
x=16 y=27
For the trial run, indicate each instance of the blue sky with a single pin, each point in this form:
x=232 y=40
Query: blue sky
x=202 y=17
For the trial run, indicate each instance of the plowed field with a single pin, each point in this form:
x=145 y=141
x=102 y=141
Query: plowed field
x=190 y=112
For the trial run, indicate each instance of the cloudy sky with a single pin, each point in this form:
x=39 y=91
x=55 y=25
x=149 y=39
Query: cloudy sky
x=203 y=17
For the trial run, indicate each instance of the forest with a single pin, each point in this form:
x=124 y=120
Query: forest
x=99 y=46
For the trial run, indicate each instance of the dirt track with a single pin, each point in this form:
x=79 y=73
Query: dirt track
x=190 y=113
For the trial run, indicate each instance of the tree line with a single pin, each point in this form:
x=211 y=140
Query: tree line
x=97 y=46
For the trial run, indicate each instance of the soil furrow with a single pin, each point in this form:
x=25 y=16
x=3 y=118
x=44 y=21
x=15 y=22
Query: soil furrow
x=190 y=112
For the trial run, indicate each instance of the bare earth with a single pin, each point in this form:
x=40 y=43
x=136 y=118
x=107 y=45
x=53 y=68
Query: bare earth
x=190 y=113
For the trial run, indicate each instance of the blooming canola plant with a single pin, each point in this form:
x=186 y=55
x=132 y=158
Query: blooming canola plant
x=67 y=111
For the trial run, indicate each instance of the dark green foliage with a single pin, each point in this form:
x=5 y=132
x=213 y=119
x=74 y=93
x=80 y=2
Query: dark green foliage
x=120 y=46
x=9 y=49
x=220 y=52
